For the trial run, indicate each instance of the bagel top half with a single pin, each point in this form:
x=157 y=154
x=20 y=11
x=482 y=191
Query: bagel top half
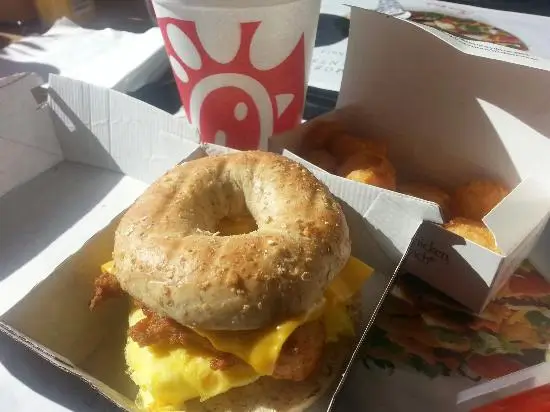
x=169 y=255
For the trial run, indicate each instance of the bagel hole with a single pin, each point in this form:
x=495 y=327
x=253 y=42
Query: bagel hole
x=236 y=225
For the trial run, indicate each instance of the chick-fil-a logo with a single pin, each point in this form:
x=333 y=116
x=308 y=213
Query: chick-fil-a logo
x=237 y=94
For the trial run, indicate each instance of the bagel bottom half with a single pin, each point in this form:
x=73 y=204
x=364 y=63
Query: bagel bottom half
x=267 y=394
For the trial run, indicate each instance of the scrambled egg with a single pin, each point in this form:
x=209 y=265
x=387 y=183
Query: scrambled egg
x=169 y=377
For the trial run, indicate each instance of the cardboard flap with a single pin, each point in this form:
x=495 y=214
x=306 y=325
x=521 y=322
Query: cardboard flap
x=515 y=258
x=454 y=265
x=212 y=149
x=392 y=218
x=108 y=129
x=57 y=212
x=396 y=218
x=526 y=147
x=26 y=132
x=43 y=351
x=539 y=257
x=382 y=289
x=52 y=216
x=443 y=87
x=530 y=200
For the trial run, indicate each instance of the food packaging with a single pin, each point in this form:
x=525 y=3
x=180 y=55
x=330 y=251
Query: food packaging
x=241 y=67
x=526 y=390
x=439 y=104
x=91 y=152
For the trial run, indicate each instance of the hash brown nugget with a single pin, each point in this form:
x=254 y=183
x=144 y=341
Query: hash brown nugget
x=477 y=198
x=319 y=135
x=322 y=159
x=370 y=168
x=474 y=231
x=344 y=146
x=428 y=192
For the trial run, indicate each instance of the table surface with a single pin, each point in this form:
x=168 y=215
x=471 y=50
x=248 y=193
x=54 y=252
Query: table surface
x=25 y=378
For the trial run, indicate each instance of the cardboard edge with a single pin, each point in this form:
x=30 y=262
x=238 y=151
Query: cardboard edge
x=206 y=150
x=363 y=337
x=310 y=166
x=56 y=360
x=539 y=257
x=324 y=176
x=40 y=143
x=512 y=200
x=89 y=121
x=13 y=78
x=211 y=149
x=35 y=346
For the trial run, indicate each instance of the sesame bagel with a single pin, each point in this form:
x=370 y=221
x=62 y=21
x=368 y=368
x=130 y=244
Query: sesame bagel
x=170 y=255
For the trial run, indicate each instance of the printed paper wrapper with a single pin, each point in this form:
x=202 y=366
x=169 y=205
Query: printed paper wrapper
x=429 y=348
x=241 y=69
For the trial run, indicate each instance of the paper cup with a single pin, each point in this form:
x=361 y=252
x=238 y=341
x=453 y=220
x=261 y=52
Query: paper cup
x=241 y=66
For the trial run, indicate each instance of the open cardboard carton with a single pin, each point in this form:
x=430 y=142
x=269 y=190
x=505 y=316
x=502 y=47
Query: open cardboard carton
x=79 y=160
x=450 y=110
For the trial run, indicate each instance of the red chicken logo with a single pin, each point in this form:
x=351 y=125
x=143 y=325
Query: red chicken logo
x=240 y=93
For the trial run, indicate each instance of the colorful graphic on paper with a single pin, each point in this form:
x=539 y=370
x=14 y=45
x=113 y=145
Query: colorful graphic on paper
x=234 y=94
x=420 y=328
x=467 y=28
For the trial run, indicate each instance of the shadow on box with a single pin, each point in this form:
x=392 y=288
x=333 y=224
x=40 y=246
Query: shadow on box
x=34 y=215
x=10 y=67
x=95 y=343
x=438 y=164
x=415 y=102
x=92 y=342
x=52 y=383
x=72 y=126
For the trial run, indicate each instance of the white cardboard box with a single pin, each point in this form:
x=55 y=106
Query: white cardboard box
x=70 y=169
x=450 y=110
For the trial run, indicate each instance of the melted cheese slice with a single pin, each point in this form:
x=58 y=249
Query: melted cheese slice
x=108 y=268
x=261 y=349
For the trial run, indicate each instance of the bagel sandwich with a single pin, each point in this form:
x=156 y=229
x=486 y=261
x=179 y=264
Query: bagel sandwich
x=245 y=296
